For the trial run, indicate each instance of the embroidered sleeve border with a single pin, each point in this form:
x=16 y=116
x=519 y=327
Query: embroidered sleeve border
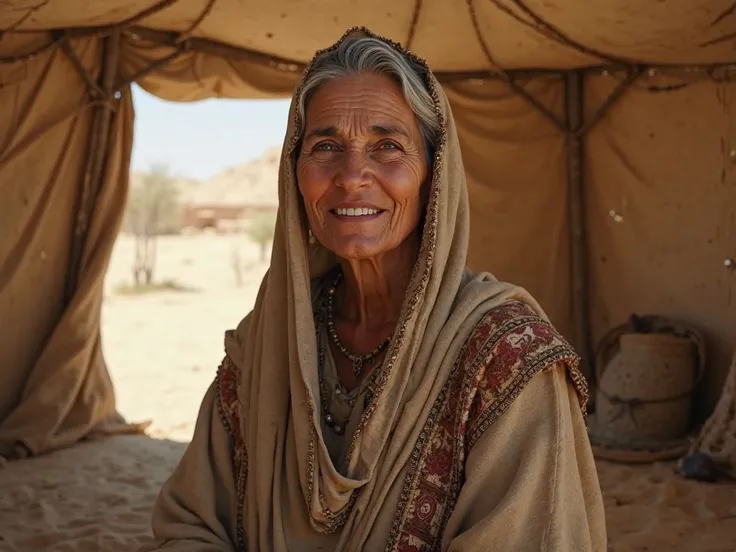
x=226 y=384
x=506 y=349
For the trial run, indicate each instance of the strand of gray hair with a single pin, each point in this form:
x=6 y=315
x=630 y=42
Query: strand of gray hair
x=360 y=55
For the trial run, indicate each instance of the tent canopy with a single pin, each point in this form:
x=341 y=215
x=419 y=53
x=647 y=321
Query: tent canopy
x=604 y=191
x=557 y=34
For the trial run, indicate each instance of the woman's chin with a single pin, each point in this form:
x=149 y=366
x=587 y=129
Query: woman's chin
x=357 y=248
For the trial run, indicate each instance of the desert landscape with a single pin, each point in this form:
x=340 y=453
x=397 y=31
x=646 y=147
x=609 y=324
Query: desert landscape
x=163 y=348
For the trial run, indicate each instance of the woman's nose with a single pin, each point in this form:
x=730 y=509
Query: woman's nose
x=354 y=171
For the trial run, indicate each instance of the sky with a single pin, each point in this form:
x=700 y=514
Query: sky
x=200 y=139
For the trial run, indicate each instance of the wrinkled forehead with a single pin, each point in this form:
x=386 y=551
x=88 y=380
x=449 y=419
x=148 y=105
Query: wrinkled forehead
x=360 y=104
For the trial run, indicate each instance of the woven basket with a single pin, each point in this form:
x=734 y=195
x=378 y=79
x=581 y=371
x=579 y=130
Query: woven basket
x=717 y=438
x=646 y=372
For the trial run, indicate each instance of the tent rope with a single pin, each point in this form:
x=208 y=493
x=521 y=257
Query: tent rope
x=505 y=77
x=413 y=24
x=564 y=39
x=96 y=161
x=151 y=68
x=148 y=12
x=20 y=148
x=95 y=89
x=610 y=100
x=723 y=15
x=27 y=56
x=24 y=18
x=708 y=71
x=196 y=23
x=722 y=38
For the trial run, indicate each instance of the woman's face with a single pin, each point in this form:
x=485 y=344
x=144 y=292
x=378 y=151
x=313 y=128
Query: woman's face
x=361 y=166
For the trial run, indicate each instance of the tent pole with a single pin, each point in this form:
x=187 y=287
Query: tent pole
x=575 y=116
x=97 y=150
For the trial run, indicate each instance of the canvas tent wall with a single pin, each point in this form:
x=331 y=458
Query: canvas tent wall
x=628 y=204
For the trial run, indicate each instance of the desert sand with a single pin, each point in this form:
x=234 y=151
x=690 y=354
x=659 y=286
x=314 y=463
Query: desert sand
x=163 y=350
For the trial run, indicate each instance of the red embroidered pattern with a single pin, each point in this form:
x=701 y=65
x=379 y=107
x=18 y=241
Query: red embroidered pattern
x=507 y=347
x=227 y=406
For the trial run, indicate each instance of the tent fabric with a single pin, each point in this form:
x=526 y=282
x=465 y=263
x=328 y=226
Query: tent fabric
x=680 y=31
x=516 y=169
x=660 y=167
x=661 y=210
x=195 y=75
x=54 y=384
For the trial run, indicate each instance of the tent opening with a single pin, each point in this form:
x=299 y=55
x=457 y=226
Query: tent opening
x=191 y=252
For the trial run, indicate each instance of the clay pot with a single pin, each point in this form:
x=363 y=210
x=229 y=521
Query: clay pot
x=645 y=390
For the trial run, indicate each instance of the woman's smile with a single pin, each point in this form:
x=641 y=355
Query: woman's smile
x=359 y=215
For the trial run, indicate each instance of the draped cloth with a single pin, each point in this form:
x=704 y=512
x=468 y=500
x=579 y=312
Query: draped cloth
x=281 y=485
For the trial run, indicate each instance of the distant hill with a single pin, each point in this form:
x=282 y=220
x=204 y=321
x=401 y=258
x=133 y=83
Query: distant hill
x=254 y=183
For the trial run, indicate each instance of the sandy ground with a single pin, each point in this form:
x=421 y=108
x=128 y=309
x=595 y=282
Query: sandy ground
x=172 y=342
x=163 y=350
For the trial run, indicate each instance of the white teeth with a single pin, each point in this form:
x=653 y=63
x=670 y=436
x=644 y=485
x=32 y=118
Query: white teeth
x=356 y=212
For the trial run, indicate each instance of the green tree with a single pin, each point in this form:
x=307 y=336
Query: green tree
x=261 y=230
x=153 y=209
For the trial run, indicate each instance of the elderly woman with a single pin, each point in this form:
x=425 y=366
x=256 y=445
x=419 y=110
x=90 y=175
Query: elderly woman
x=380 y=396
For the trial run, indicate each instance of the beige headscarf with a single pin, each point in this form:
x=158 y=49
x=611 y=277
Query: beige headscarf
x=275 y=350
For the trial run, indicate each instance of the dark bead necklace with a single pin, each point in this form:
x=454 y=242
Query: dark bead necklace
x=357 y=360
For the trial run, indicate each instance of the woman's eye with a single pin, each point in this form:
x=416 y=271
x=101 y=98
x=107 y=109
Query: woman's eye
x=388 y=146
x=324 y=146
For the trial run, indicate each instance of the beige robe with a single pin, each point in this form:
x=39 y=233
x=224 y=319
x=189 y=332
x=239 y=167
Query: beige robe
x=531 y=484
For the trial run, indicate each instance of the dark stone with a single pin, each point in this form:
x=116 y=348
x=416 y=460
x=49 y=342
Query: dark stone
x=699 y=466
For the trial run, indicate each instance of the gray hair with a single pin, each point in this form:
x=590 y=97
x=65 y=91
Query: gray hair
x=359 y=55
